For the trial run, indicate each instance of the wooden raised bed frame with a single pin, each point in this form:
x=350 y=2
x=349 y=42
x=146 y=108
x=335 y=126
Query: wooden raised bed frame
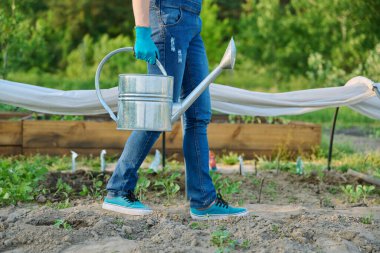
x=90 y=137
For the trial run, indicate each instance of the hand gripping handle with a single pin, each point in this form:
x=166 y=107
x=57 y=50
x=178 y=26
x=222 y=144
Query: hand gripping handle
x=99 y=69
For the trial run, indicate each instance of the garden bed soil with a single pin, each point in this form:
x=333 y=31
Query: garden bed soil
x=295 y=214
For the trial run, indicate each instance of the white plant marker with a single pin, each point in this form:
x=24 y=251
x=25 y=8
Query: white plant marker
x=156 y=161
x=241 y=165
x=73 y=157
x=102 y=160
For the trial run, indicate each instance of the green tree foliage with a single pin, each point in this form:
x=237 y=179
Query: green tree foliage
x=72 y=20
x=286 y=36
x=215 y=33
x=229 y=9
x=324 y=42
x=83 y=61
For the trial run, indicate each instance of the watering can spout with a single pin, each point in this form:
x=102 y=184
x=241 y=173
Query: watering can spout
x=227 y=62
x=229 y=57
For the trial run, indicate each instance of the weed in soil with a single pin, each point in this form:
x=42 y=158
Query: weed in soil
x=198 y=225
x=225 y=242
x=118 y=221
x=61 y=223
x=222 y=239
x=60 y=205
x=368 y=219
x=271 y=190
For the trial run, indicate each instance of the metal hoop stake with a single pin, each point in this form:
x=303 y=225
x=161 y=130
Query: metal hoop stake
x=376 y=89
x=332 y=133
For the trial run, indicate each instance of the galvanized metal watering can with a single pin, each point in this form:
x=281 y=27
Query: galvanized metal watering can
x=145 y=101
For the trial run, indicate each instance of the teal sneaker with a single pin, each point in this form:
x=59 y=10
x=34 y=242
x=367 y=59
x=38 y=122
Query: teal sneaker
x=127 y=204
x=219 y=210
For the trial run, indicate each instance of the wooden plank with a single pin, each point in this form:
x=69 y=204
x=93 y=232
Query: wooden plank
x=10 y=150
x=66 y=151
x=79 y=134
x=249 y=137
x=366 y=178
x=82 y=134
x=10 y=133
x=261 y=136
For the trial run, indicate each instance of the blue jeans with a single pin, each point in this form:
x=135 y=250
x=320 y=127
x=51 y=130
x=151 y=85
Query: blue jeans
x=176 y=27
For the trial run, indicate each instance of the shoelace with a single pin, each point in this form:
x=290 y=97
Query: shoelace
x=220 y=201
x=130 y=196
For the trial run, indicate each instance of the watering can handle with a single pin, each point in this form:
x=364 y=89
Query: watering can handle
x=99 y=69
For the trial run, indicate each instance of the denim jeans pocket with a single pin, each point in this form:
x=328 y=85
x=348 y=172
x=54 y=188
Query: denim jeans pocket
x=170 y=15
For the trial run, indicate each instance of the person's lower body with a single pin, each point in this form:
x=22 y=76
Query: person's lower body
x=176 y=29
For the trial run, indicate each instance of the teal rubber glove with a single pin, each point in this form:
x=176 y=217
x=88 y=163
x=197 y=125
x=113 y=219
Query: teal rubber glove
x=145 y=49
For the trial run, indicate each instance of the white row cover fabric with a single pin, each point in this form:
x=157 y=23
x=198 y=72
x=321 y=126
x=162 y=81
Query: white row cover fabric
x=357 y=93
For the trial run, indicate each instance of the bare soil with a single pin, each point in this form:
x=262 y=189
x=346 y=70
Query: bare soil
x=295 y=214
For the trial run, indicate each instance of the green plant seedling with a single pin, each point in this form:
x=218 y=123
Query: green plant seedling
x=231 y=158
x=61 y=223
x=247 y=119
x=275 y=228
x=85 y=191
x=240 y=202
x=368 y=219
x=326 y=202
x=255 y=181
x=333 y=189
x=97 y=189
x=271 y=190
x=366 y=190
x=198 y=225
x=60 y=205
x=170 y=187
x=232 y=118
x=246 y=244
x=225 y=185
x=63 y=188
x=354 y=195
x=118 y=221
x=222 y=239
x=292 y=199
x=64 y=204
x=142 y=187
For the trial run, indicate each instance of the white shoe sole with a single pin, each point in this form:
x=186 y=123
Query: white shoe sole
x=216 y=216
x=125 y=210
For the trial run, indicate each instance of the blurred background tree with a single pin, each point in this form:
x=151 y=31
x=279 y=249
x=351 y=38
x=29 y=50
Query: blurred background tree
x=282 y=45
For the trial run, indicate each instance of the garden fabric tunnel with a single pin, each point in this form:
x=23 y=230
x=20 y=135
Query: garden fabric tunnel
x=358 y=94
